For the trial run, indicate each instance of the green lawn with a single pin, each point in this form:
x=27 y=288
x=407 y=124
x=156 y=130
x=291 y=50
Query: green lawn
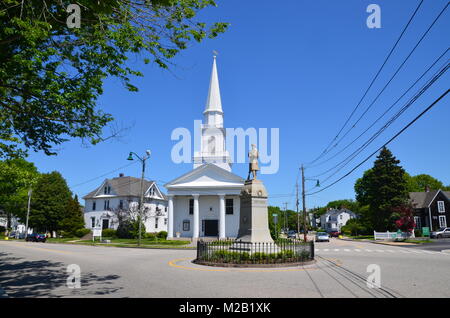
x=418 y=241
x=121 y=242
x=362 y=237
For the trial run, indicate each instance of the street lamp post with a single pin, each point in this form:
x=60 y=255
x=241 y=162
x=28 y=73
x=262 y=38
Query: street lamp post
x=141 y=201
x=28 y=213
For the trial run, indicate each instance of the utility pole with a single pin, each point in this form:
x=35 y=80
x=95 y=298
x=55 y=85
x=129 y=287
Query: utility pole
x=304 y=204
x=296 y=207
x=28 y=213
x=141 y=201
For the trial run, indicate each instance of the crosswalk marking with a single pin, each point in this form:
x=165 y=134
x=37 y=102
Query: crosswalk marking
x=346 y=250
x=357 y=250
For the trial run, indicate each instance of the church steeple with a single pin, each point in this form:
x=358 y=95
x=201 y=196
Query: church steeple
x=213 y=102
x=212 y=145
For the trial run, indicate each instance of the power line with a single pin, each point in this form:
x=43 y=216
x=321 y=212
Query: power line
x=392 y=119
x=393 y=76
x=385 y=144
x=103 y=175
x=385 y=112
x=371 y=84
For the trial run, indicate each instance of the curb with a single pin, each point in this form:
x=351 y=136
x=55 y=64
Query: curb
x=275 y=265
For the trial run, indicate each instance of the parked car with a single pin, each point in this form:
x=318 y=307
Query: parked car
x=441 y=233
x=322 y=237
x=35 y=237
x=292 y=234
x=334 y=233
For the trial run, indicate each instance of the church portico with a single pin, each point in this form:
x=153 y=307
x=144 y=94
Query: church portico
x=204 y=214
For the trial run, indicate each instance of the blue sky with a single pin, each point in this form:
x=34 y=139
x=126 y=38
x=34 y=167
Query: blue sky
x=301 y=67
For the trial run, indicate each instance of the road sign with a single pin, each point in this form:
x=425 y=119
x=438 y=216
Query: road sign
x=275 y=218
x=425 y=231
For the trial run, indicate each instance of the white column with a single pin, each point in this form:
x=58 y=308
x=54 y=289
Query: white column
x=170 y=217
x=222 y=216
x=195 y=233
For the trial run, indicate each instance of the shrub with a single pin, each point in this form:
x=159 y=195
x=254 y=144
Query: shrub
x=418 y=233
x=125 y=230
x=2 y=229
x=162 y=235
x=109 y=233
x=82 y=232
x=151 y=236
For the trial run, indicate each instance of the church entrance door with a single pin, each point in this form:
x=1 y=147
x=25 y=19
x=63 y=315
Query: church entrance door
x=211 y=227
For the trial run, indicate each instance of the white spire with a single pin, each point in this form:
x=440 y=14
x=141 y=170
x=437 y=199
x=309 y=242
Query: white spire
x=213 y=103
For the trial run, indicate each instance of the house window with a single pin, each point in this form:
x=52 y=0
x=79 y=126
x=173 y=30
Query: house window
x=93 y=221
x=442 y=221
x=191 y=206
x=121 y=204
x=229 y=206
x=165 y=221
x=418 y=222
x=186 y=225
x=94 y=205
x=156 y=223
x=106 y=205
x=107 y=190
x=441 y=206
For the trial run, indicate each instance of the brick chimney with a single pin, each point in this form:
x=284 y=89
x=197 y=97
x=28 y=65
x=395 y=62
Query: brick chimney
x=121 y=175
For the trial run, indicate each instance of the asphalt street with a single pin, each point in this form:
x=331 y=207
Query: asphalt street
x=40 y=270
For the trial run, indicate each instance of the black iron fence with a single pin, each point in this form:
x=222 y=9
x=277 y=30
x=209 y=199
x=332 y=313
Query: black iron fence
x=238 y=252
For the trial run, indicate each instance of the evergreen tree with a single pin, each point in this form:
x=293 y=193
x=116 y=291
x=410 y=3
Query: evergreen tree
x=383 y=188
x=73 y=217
x=49 y=204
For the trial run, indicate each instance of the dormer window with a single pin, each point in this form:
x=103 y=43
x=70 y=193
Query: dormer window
x=107 y=190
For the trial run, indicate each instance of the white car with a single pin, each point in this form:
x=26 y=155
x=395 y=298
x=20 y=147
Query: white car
x=322 y=237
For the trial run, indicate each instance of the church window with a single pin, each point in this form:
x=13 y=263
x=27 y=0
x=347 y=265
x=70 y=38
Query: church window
x=186 y=225
x=191 y=206
x=229 y=208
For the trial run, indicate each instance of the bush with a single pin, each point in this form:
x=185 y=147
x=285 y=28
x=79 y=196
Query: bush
x=125 y=230
x=82 y=232
x=151 y=236
x=109 y=233
x=418 y=233
x=162 y=235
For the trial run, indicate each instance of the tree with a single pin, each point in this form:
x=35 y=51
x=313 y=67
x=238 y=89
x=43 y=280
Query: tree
x=275 y=229
x=419 y=182
x=51 y=75
x=383 y=187
x=404 y=216
x=73 y=217
x=17 y=176
x=51 y=198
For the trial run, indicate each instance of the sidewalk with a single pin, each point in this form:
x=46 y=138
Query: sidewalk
x=392 y=243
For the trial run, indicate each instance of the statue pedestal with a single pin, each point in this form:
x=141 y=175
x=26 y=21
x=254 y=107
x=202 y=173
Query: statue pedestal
x=254 y=220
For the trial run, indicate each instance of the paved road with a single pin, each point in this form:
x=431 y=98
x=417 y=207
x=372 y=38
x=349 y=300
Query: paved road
x=39 y=270
x=436 y=245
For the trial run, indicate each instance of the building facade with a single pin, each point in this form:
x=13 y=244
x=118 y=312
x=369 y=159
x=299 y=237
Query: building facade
x=120 y=196
x=205 y=202
x=431 y=208
x=335 y=219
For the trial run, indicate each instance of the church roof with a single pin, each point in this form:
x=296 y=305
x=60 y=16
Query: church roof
x=213 y=102
x=206 y=176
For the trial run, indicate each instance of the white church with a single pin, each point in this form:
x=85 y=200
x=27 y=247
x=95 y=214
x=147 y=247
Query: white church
x=205 y=202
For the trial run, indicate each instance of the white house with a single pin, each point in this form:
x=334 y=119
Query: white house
x=334 y=219
x=122 y=194
x=205 y=201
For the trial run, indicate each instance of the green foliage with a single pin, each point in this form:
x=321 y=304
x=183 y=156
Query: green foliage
x=82 y=232
x=275 y=229
x=73 y=217
x=52 y=75
x=17 y=176
x=125 y=230
x=50 y=204
x=419 y=182
x=162 y=235
x=108 y=233
x=355 y=227
x=151 y=236
x=382 y=188
x=226 y=256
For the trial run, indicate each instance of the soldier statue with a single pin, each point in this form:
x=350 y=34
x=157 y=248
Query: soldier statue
x=253 y=162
